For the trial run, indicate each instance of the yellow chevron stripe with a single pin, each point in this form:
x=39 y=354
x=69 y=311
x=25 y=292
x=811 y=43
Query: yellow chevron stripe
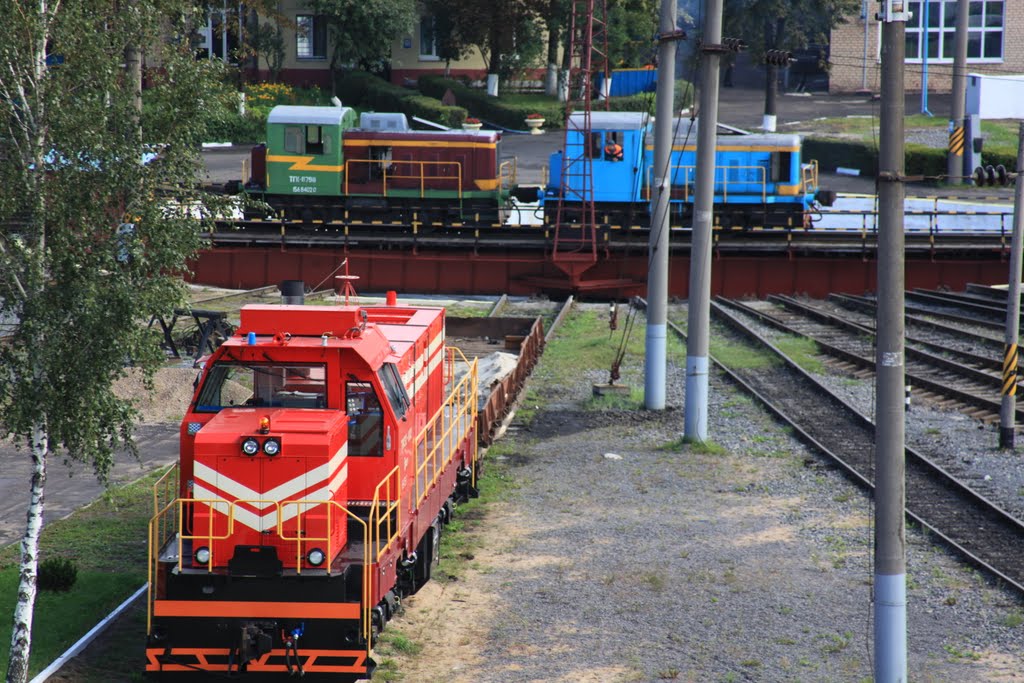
x=302 y=163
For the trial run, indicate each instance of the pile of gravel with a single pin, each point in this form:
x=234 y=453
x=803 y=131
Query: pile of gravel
x=619 y=557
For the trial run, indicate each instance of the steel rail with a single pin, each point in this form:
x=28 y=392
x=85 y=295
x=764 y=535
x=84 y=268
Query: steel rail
x=920 y=469
x=913 y=371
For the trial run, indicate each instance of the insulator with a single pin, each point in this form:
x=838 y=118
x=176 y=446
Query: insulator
x=979 y=176
x=1001 y=176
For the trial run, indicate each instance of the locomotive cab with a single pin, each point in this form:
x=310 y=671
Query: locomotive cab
x=283 y=421
x=320 y=453
x=614 y=152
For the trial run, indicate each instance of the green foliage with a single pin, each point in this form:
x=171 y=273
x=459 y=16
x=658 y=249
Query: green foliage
x=92 y=248
x=57 y=574
x=863 y=155
x=631 y=26
x=1013 y=619
x=78 y=285
x=362 y=32
x=739 y=356
x=784 y=24
x=372 y=92
x=511 y=110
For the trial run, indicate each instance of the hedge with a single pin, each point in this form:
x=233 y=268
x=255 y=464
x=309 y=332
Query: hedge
x=511 y=115
x=920 y=160
x=367 y=91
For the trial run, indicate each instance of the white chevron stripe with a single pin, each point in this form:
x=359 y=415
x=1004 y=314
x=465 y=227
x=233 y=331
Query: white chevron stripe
x=211 y=477
x=257 y=522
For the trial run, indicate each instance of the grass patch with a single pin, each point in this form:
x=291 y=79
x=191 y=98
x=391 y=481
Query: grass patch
x=1013 y=618
x=634 y=400
x=107 y=541
x=459 y=541
x=395 y=641
x=803 y=351
x=998 y=133
x=703 y=447
x=62 y=618
x=739 y=356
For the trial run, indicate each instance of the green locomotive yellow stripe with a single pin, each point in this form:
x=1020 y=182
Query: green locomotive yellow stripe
x=302 y=163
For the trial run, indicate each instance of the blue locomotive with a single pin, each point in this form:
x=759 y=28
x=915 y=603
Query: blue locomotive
x=760 y=180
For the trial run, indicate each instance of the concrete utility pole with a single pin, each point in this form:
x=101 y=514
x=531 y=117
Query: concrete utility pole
x=955 y=155
x=657 y=277
x=699 y=313
x=890 y=485
x=1010 y=356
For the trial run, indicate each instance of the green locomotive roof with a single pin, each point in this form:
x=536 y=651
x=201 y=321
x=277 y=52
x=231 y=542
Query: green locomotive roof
x=318 y=116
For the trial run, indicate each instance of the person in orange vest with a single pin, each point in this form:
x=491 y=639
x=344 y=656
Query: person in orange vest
x=612 y=150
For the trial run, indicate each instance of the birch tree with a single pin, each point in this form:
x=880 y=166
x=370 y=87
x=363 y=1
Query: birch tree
x=90 y=236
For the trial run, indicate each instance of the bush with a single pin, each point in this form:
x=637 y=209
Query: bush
x=512 y=114
x=919 y=160
x=370 y=92
x=57 y=574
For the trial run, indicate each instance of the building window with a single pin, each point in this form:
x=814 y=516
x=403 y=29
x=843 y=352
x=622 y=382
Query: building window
x=984 y=31
x=310 y=37
x=428 y=42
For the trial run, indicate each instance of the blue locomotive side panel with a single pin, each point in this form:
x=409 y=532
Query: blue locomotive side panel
x=760 y=179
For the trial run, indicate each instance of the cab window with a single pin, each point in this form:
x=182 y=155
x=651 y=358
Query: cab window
x=230 y=385
x=365 y=420
x=394 y=388
x=314 y=140
x=293 y=139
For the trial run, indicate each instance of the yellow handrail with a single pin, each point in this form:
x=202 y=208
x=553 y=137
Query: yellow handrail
x=422 y=176
x=299 y=538
x=724 y=180
x=179 y=505
x=508 y=171
x=390 y=484
x=436 y=443
x=809 y=175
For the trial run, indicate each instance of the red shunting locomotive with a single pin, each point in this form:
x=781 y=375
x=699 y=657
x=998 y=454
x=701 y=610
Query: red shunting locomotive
x=323 y=450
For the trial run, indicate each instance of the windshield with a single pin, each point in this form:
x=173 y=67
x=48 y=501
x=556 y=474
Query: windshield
x=263 y=384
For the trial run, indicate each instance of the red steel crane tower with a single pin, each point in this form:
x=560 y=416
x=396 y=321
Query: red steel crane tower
x=575 y=249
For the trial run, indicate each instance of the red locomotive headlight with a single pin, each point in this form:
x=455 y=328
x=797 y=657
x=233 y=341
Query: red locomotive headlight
x=272 y=447
x=250 y=446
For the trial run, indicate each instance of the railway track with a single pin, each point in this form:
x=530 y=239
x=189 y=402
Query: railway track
x=941 y=362
x=979 y=529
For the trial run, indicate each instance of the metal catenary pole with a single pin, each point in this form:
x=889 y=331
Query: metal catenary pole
x=699 y=312
x=890 y=487
x=657 y=277
x=1010 y=360
x=955 y=154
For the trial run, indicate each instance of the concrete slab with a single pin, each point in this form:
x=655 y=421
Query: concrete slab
x=69 y=488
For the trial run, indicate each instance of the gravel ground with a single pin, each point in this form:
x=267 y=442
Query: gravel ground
x=615 y=558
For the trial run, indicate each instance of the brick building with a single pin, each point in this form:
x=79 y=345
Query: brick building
x=855 y=57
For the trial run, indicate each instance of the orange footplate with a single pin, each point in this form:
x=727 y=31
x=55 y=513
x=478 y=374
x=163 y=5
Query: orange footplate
x=219 y=659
